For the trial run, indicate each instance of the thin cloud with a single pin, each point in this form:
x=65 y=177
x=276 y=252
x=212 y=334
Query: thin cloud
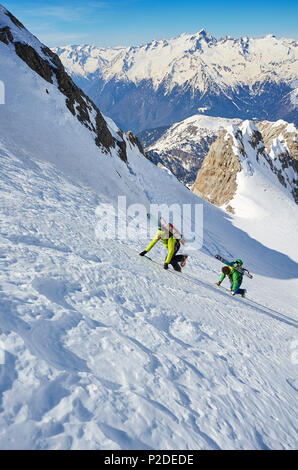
x=61 y=39
x=65 y=13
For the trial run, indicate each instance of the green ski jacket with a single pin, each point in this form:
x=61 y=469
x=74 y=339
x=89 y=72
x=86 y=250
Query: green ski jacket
x=234 y=276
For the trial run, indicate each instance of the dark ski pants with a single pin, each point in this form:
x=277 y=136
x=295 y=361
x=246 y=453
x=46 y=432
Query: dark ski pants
x=177 y=258
x=238 y=290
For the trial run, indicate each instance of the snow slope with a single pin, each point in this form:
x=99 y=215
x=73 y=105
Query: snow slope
x=254 y=163
x=260 y=197
x=103 y=349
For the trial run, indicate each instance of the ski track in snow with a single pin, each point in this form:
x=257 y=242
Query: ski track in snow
x=106 y=350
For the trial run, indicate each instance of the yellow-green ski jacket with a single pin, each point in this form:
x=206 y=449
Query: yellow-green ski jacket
x=169 y=243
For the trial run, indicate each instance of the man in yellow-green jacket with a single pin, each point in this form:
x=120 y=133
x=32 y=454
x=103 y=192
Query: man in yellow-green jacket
x=172 y=245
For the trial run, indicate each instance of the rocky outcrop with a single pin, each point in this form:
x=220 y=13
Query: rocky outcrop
x=14 y=20
x=133 y=139
x=184 y=146
x=281 y=143
x=272 y=147
x=5 y=35
x=216 y=180
x=282 y=131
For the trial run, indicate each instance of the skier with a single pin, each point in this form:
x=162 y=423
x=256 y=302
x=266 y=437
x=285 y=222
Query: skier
x=235 y=277
x=172 y=244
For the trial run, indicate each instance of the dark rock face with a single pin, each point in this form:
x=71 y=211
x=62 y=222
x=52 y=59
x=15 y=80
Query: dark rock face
x=135 y=141
x=14 y=20
x=217 y=179
x=5 y=35
x=29 y=55
x=74 y=96
x=122 y=154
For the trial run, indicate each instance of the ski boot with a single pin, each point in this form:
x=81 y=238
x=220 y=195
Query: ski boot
x=177 y=268
x=184 y=261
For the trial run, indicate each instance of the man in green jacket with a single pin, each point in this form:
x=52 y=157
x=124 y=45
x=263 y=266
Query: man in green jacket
x=172 y=245
x=235 y=277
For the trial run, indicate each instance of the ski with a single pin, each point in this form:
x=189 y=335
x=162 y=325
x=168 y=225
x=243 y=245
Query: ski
x=168 y=227
x=243 y=295
x=173 y=271
x=240 y=270
x=196 y=280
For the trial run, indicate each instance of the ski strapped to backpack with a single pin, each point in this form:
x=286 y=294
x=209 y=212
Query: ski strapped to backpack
x=167 y=227
x=240 y=270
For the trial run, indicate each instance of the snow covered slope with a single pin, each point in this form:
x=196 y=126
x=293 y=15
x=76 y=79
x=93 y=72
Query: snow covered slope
x=183 y=147
x=103 y=349
x=165 y=81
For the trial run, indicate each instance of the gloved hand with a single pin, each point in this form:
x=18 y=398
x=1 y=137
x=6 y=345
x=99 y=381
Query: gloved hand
x=143 y=253
x=166 y=265
x=233 y=292
x=217 y=283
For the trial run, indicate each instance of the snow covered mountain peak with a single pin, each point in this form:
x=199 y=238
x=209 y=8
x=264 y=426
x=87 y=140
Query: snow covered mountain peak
x=161 y=57
x=192 y=40
x=235 y=78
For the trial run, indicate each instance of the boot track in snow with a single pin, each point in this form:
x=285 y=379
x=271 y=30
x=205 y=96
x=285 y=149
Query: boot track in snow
x=261 y=308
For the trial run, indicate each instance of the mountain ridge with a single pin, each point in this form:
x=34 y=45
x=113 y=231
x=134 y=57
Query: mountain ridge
x=183 y=147
x=48 y=66
x=169 y=80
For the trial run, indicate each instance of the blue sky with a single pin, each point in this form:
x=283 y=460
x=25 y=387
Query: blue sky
x=134 y=22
